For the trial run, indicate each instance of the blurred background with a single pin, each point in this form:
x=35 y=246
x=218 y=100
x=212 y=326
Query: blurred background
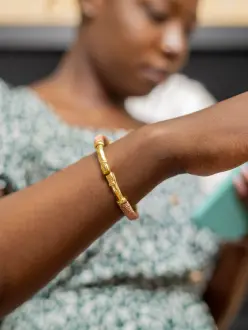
x=35 y=33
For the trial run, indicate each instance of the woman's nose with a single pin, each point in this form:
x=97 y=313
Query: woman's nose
x=173 y=41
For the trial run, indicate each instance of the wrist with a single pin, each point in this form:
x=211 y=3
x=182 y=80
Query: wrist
x=163 y=142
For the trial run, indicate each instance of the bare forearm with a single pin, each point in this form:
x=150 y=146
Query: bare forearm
x=43 y=227
x=48 y=224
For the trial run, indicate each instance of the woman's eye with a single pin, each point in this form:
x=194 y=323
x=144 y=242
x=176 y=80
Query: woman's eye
x=155 y=15
x=158 y=17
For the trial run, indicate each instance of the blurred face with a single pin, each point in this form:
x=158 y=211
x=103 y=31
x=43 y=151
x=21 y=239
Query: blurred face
x=136 y=44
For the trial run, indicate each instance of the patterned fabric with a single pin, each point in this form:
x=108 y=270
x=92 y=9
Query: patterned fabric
x=138 y=275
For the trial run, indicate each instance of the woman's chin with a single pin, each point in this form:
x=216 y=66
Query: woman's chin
x=143 y=89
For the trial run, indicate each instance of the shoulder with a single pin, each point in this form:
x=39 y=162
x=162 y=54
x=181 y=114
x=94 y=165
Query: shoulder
x=5 y=92
x=18 y=105
x=5 y=117
x=10 y=102
x=18 y=114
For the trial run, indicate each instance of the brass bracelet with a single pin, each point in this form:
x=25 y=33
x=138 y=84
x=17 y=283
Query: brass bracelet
x=130 y=212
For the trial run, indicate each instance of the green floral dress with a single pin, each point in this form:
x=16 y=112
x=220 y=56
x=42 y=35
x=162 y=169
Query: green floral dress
x=138 y=276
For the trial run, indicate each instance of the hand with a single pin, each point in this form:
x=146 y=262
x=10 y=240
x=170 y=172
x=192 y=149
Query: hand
x=209 y=141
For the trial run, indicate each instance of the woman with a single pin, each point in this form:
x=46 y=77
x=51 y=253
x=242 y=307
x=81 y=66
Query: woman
x=153 y=150
x=138 y=275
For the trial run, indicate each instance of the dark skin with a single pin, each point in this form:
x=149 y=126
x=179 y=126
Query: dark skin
x=114 y=58
x=82 y=94
x=210 y=141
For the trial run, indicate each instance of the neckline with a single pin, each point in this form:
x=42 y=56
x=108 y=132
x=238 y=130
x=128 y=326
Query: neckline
x=62 y=123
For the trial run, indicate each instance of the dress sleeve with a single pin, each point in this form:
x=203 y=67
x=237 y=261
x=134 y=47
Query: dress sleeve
x=4 y=91
x=11 y=169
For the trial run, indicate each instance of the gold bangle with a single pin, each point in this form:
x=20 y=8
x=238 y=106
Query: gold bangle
x=100 y=142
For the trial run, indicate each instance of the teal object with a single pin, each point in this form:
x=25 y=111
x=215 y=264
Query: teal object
x=223 y=212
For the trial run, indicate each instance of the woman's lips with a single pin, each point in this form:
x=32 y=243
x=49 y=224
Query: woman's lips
x=155 y=75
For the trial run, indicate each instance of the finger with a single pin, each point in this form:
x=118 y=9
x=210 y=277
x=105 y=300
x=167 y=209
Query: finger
x=244 y=172
x=241 y=187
